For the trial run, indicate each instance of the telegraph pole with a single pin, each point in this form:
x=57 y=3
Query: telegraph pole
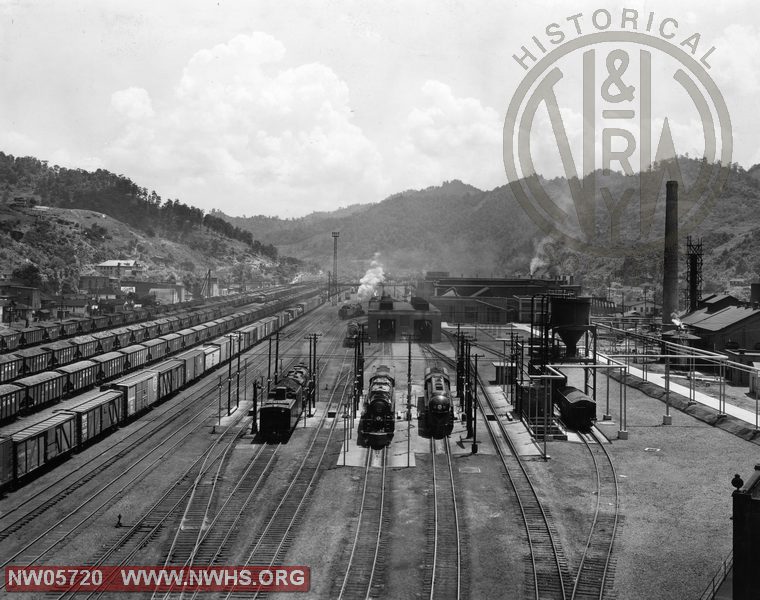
x=475 y=409
x=276 y=355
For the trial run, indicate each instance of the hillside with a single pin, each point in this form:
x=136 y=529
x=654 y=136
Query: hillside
x=66 y=220
x=460 y=229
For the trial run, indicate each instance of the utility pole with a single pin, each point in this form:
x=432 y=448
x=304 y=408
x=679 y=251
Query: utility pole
x=475 y=408
x=254 y=427
x=335 y=236
x=269 y=366
x=409 y=339
x=237 y=393
x=229 y=336
x=276 y=355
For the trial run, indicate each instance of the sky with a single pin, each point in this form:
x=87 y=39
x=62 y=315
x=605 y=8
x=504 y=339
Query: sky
x=289 y=107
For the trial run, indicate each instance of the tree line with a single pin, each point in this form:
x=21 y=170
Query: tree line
x=117 y=196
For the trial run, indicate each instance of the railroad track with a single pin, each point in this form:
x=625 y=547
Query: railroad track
x=276 y=536
x=445 y=560
x=363 y=576
x=546 y=565
x=34 y=549
x=595 y=570
x=53 y=494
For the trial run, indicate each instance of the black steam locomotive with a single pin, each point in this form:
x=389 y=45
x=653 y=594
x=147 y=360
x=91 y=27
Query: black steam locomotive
x=349 y=311
x=352 y=331
x=283 y=407
x=378 y=418
x=439 y=405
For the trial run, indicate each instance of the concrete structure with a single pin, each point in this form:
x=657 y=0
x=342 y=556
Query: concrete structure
x=388 y=320
x=488 y=300
x=120 y=268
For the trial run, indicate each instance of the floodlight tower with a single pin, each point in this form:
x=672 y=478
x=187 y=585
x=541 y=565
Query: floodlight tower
x=335 y=235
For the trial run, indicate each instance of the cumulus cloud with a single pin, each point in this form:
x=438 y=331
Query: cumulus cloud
x=255 y=134
x=133 y=103
x=451 y=137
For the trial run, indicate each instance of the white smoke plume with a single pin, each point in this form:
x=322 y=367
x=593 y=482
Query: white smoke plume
x=538 y=259
x=371 y=279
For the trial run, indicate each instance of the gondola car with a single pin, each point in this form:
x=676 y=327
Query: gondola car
x=283 y=407
x=378 y=420
x=578 y=410
x=439 y=405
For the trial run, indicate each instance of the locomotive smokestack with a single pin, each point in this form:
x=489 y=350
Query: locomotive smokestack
x=670 y=258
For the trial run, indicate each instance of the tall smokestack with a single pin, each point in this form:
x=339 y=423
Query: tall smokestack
x=670 y=260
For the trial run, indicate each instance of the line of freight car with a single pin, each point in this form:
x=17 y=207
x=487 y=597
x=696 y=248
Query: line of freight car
x=29 y=448
x=48 y=331
x=43 y=331
x=35 y=360
x=31 y=394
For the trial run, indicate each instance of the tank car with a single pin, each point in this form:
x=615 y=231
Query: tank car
x=577 y=409
x=378 y=419
x=439 y=405
x=283 y=406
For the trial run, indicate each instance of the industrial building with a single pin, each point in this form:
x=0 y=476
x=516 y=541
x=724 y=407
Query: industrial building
x=389 y=320
x=488 y=300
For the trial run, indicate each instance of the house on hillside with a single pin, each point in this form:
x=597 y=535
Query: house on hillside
x=120 y=268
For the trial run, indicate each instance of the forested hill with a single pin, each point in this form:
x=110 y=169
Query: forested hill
x=116 y=196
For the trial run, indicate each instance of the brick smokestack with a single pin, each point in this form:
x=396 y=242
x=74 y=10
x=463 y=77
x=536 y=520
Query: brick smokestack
x=670 y=259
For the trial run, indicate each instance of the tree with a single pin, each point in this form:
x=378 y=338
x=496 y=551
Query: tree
x=28 y=274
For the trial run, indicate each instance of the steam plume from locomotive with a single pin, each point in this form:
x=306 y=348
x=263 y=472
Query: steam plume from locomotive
x=371 y=279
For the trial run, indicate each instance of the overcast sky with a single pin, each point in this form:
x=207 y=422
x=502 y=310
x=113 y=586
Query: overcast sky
x=284 y=107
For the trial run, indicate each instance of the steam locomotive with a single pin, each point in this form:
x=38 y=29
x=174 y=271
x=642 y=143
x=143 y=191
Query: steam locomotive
x=349 y=311
x=378 y=419
x=283 y=407
x=439 y=405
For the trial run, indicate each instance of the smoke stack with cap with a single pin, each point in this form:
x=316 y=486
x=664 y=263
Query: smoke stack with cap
x=670 y=259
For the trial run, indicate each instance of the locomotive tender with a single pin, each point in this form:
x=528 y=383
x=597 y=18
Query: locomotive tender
x=439 y=405
x=284 y=405
x=378 y=420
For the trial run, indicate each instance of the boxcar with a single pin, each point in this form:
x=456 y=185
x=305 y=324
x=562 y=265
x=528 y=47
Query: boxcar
x=194 y=360
x=9 y=339
x=249 y=336
x=171 y=377
x=111 y=365
x=38 y=445
x=62 y=352
x=6 y=461
x=156 y=349
x=10 y=402
x=106 y=341
x=140 y=391
x=36 y=360
x=212 y=356
x=97 y=413
x=80 y=375
x=135 y=355
x=10 y=367
x=86 y=346
x=41 y=389
x=173 y=342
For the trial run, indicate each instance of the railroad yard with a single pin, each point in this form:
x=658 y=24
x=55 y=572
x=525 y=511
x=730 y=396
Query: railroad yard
x=186 y=484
